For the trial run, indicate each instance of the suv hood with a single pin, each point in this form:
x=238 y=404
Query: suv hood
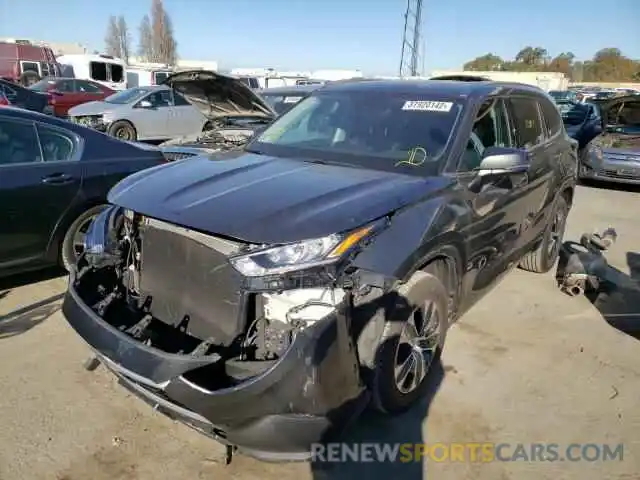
x=267 y=200
x=217 y=95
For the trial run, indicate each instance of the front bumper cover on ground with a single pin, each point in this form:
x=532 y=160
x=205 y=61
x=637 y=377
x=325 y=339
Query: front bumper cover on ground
x=309 y=395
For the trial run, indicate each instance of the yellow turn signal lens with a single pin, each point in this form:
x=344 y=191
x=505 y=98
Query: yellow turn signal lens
x=349 y=241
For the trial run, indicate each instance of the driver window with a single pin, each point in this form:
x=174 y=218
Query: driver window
x=490 y=129
x=160 y=99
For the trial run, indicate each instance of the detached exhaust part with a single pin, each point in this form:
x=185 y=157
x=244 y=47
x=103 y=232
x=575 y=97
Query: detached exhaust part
x=582 y=266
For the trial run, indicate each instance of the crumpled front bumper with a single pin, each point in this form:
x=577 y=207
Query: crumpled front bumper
x=308 y=396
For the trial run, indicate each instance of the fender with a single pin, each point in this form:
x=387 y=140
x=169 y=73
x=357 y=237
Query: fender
x=408 y=244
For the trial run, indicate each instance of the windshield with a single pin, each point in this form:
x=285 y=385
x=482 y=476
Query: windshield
x=381 y=130
x=127 y=96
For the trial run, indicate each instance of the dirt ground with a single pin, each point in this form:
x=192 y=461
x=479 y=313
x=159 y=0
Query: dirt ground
x=526 y=365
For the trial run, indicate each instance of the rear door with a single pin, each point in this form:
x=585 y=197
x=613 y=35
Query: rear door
x=63 y=96
x=39 y=179
x=87 y=92
x=187 y=119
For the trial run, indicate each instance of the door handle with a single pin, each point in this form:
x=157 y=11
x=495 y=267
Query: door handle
x=57 y=179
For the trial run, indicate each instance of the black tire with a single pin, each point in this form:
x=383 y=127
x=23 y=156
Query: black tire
x=123 y=130
x=543 y=258
x=424 y=287
x=70 y=249
x=29 y=78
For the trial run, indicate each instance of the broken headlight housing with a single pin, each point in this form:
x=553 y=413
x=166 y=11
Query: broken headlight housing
x=299 y=255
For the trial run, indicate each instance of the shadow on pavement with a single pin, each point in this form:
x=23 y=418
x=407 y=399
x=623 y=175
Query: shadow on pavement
x=377 y=431
x=22 y=279
x=618 y=299
x=25 y=318
x=620 y=187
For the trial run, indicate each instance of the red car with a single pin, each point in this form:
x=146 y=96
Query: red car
x=65 y=93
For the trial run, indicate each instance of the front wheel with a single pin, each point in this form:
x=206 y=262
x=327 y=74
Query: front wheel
x=411 y=342
x=73 y=241
x=123 y=130
x=543 y=258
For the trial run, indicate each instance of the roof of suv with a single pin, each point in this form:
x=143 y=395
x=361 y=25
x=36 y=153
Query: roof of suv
x=449 y=88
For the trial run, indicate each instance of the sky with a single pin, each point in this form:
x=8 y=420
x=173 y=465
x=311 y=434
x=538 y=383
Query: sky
x=345 y=34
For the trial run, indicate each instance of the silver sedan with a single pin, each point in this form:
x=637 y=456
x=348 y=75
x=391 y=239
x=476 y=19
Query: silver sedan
x=142 y=113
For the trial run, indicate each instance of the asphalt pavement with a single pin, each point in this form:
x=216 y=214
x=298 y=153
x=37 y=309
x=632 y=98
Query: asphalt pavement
x=526 y=365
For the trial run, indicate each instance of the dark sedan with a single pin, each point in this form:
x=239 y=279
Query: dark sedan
x=54 y=179
x=266 y=296
x=22 y=97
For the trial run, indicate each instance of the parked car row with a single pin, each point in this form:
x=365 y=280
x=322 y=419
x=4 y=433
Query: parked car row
x=606 y=126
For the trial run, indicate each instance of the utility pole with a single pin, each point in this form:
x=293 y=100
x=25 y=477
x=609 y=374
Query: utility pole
x=411 y=40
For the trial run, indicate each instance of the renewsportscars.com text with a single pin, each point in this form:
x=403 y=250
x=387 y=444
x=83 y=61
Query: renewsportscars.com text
x=467 y=452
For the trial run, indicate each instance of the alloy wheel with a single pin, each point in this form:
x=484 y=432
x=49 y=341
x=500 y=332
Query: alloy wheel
x=80 y=234
x=418 y=346
x=556 y=233
x=123 y=134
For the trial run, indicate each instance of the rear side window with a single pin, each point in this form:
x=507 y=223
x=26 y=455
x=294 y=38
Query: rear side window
x=65 y=86
x=551 y=117
x=57 y=146
x=179 y=100
x=83 y=86
x=98 y=71
x=18 y=143
x=528 y=130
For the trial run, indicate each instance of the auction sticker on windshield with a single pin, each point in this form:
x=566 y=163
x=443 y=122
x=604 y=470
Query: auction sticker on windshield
x=292 y=99
x=427 y=106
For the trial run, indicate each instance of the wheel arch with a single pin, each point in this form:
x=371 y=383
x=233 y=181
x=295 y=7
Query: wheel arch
x=65 y=221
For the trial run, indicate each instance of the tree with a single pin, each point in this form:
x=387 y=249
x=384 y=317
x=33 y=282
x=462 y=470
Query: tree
x=145 y=40
x=112 y=38
x=485 y=63
x=562 y=63
x=124 y=39
x=117 y=40
x=164 y=45
x=607 y=65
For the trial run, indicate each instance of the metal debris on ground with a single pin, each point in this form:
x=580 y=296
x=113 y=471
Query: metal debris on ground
x=582 y=266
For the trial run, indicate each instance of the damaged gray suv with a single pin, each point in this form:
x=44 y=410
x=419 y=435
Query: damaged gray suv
x=266 y=296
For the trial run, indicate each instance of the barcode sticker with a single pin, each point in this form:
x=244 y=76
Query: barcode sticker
x=427 y=106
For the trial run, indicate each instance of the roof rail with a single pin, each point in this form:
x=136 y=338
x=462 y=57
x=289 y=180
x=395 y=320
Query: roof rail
x=462 y=78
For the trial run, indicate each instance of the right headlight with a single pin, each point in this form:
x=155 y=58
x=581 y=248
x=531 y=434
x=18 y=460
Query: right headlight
x=296 y=256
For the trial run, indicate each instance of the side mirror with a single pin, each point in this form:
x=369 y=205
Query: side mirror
x=145 y=104
x=503 y=161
